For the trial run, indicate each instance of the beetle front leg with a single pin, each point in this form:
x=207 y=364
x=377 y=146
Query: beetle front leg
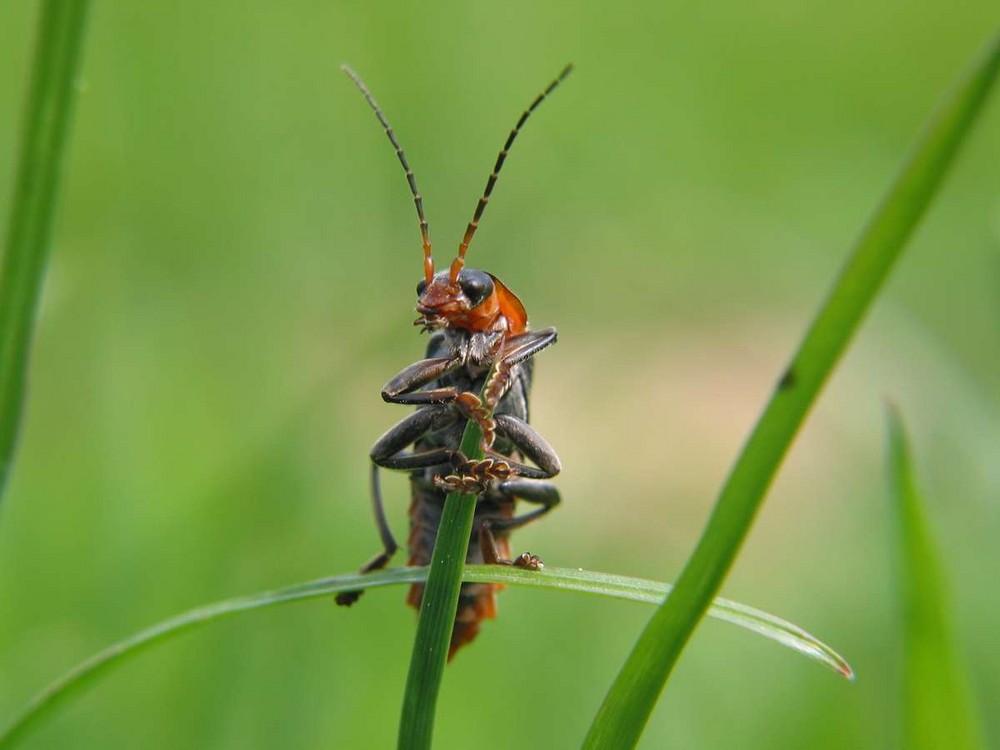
x=532 y=445
x=472 y=477
x=526 y=345
x=404 y=388
x=390 y=451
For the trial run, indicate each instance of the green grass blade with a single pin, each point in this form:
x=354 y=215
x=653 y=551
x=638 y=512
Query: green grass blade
x=74 y=682
x=46 y=127
x=437 y=611
x=628 y=704
x=938 y=713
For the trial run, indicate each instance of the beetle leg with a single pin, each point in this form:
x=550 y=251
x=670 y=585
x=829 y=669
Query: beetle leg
x=390 y=451
x=491 y=555
x=403 y=389
x=389 y=545
x=473 y=476
x=524 y=345
x=512 y=351
x=536 y=448
x=544 y=494
x=475 y=409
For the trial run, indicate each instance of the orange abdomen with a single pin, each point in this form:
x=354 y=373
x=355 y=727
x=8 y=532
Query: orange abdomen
x=476 y=601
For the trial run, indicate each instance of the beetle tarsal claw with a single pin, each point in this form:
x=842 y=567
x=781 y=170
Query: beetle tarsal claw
x=528 y=561
x=475 y=476
x=465 y=484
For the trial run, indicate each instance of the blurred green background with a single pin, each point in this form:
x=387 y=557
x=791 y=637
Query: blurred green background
x=232 y=283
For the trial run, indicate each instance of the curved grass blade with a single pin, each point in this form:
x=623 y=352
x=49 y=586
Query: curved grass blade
x=628 y=704
x=74 y=682
x=938 y=712
x=653 y=592
x=46 y=127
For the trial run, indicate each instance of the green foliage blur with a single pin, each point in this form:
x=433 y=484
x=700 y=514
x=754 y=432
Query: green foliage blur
x=232 y=283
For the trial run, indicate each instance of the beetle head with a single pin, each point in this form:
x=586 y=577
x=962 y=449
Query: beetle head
x=470 y=303
x=477 y=302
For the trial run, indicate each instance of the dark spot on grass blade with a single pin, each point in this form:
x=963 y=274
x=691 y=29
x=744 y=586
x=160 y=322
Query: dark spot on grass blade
x=788 y=380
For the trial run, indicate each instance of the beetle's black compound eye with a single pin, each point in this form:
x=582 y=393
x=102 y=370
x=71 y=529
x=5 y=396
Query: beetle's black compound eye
x=476 y=285
x=421 y=287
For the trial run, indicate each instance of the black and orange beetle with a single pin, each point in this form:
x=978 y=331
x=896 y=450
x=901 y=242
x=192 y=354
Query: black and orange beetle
x=477 y=325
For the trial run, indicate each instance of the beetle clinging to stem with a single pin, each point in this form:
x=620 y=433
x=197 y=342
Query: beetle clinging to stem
x=480 y=343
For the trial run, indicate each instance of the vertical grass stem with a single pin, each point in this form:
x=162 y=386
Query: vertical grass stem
x=49 y=107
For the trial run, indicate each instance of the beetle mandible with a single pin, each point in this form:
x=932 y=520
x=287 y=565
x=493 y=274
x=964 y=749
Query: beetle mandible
x=480 y=343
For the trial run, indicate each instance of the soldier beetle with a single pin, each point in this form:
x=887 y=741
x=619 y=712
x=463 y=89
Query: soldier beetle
x=480 y=343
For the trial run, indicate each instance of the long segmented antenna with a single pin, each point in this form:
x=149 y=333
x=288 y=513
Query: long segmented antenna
x=418 y=201
x=459 y=262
